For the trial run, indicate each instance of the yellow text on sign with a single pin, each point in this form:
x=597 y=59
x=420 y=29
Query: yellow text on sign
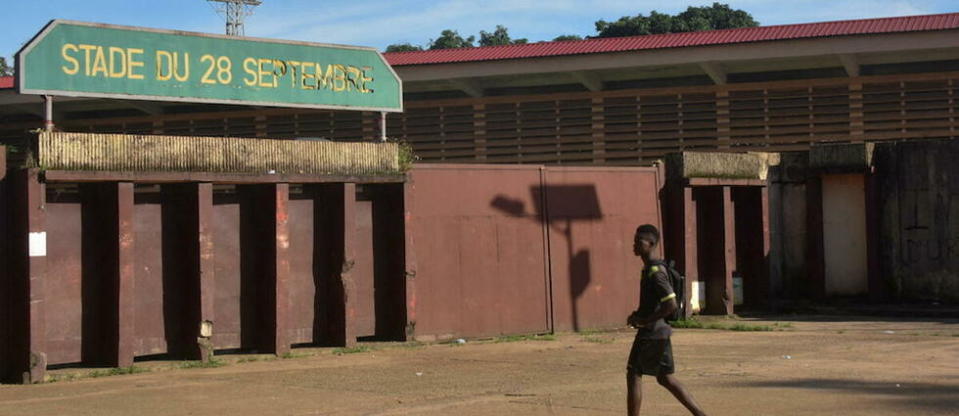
x=117 y=62
x=95 y=60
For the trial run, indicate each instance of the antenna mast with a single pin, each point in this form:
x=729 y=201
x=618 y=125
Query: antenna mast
x=235 y=12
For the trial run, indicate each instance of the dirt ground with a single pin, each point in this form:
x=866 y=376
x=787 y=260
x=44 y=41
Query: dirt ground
x=809 y=366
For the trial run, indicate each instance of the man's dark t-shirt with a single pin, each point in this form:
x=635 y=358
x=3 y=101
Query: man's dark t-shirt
x=654 y=290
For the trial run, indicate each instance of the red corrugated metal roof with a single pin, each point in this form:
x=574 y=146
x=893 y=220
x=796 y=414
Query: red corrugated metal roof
x=6 y=82
x=678 y=40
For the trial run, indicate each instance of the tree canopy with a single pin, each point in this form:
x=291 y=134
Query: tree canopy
x=5 y=69
x=500 y=36
x=694 y=19
x=403 y=47
x=451 y=39
x=567 y=37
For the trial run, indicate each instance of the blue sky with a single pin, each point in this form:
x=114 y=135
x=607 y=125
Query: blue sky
x=378 y=23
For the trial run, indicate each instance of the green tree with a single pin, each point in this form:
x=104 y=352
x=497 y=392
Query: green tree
x=451 y=39
x=5 y=69
x=403 y=47
x=718 y=16
x=500 y=36
x=694 y=19
x=567 y=37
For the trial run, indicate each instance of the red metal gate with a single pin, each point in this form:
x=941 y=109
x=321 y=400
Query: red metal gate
x=524 y=249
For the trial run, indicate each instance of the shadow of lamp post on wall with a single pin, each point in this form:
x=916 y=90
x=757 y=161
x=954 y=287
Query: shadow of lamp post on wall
x=560 y=206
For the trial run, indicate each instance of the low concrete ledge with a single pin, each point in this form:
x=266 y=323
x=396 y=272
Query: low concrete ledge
x=730 y=166
x=841 y=158
x=60 y=151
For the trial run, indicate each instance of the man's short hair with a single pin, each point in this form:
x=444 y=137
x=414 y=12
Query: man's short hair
x=648 y=232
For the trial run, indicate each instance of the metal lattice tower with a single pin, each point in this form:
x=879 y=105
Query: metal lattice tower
x=235 y=12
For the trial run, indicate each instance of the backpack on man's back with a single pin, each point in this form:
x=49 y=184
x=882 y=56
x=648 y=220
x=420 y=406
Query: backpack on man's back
x=678 y=282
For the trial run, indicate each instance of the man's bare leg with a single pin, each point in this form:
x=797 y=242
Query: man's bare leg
x=677 y=389
x=634 y=393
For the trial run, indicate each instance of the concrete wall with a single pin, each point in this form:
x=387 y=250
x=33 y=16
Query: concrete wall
x=789 y=244
x=919 y=219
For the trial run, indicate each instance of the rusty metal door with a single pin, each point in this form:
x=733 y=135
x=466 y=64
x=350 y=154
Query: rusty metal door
x=480 y=251
x=593 y=214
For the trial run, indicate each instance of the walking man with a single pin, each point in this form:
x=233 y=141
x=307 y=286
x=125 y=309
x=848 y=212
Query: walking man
x=652 y=353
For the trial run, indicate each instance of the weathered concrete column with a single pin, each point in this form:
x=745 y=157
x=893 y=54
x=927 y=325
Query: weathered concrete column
x=338 y=238
x=29 y=258
x=126 y=255
x=347 y=285
x=272 y=242
x=689 y=257
x=281 y=268
x=108 y=258
x=729 y=249
x=188 y=246
x=409 y=265
x=680 y=235
x=205 y=271
x=765 y=277
x=815 y=286
x=878 y=290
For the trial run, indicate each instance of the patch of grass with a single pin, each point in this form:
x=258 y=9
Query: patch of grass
x=291 y=355
x=697 y=324
x=119 y=371
x=840 y=332
x=214 y=363
x=352 y=350
x=63 y=377
x=598 y=340
x=248 y=360
x=517 y=338
x=687 y=323
x=783 y=324
x=748 y=327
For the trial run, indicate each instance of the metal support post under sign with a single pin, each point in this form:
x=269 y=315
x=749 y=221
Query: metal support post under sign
x=48 y=114
x=382 y=126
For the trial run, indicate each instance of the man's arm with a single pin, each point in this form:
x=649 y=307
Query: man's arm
x=665 y=309
x=667 y=303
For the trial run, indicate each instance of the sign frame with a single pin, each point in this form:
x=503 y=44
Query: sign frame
x=20 y=75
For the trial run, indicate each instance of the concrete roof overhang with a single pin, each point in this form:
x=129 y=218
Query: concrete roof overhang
x=719 y=62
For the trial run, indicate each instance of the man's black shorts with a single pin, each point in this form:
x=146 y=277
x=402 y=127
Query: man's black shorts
x=651 y=357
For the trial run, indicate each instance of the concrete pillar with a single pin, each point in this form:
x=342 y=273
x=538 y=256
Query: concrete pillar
x=729 y=249
x=815 y=286
x=768 y=285
x=271 y=240
x=347 y=285
x=690 y=253
x=126 y=255
x=878 y=290
x=680 y=234
x=29 y=258
x=108 y=268
x=281 y=268
x=410 y=262
x=338 y=226
x=205 y=272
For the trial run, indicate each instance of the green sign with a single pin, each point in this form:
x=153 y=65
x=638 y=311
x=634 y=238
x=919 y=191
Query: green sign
x=93 y=60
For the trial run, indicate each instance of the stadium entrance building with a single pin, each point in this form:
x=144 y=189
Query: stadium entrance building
x=799 y=161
